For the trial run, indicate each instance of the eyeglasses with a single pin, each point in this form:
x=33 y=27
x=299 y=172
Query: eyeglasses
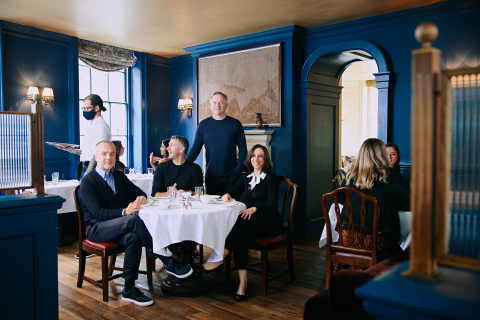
x=86 y=108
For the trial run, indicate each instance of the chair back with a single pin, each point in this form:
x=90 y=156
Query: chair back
x=81 y=224
x=289 y=196
x=347 y=252
x=338 y=179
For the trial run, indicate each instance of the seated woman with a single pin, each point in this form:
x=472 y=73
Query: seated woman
x=393 y=155
x=163 y=152
x=258 y=190
x=120 y=151
x=372 y=175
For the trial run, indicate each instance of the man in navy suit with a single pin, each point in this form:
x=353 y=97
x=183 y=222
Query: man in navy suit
x=110 y=202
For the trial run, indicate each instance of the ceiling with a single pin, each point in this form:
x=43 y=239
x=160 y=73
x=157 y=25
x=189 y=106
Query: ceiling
x=165 y=27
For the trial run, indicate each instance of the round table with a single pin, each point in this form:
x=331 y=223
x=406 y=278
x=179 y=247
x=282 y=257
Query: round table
x=207 y=224
x=143 y=181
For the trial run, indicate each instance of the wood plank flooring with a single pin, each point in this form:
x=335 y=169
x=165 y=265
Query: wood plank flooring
x=284 y=299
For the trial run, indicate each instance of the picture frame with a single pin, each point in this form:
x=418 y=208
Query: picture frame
x=252 y=80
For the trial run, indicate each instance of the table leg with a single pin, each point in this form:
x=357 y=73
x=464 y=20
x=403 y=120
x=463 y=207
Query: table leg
x=195 y=284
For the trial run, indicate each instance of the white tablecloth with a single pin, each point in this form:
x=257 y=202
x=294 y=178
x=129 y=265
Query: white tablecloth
x=405 y=227
x=143 y=181
x=63 y=189
x=207 y=224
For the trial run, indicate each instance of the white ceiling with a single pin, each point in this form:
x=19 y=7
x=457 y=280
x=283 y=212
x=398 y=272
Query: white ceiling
x=165 y=27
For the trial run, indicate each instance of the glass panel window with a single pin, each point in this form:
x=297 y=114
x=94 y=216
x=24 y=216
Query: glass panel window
x=118 y=119
x=117 y=87
x=112 y=88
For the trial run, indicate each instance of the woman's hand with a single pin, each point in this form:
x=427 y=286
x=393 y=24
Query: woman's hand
x=247 y=213
x=226 y=197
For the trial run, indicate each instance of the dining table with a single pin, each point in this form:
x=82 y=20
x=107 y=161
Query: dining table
x=405 y=228
x=202 y=223
x=143 y=181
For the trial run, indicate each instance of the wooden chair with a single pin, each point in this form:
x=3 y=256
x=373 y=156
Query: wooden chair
x=284 y=239
x=104 y=250
x=349 y=254
x=338 y=178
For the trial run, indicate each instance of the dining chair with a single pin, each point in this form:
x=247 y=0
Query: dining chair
x=338 y=178
x=282 y=240
x=349 y=252
x=104 y=250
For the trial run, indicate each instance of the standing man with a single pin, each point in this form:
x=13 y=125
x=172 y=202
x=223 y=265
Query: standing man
x=221 y=135
x=178 y=172
x=110 y=202
x=97 y=130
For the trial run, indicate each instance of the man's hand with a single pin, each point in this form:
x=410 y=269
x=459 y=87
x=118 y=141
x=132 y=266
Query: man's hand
x=134 y=207
x=71 y=150
x=247 y=213
x=226 y=197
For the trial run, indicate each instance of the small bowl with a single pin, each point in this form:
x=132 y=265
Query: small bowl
x=162 y=204
x=207 y=198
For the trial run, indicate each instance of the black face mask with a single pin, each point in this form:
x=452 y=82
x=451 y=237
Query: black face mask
x=89 y=115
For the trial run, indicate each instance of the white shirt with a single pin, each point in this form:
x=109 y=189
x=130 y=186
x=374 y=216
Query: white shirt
x=97 y=130
x=252 y=182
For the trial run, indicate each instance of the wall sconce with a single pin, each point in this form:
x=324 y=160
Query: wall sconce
x=186 y=107
x=33 y=95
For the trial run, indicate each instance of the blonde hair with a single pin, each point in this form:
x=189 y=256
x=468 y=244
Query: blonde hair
x=371 y=165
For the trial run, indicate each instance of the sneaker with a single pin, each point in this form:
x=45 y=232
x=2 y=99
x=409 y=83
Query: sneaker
x=176 y=268
x=136 y=296
x=87 y=255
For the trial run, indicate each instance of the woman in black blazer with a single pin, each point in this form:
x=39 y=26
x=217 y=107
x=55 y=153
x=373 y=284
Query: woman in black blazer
x=258 y=190
x=372 y=175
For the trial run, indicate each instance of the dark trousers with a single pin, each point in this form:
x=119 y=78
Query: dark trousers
x=129 y=231
x=244 y=231
x=218 y=185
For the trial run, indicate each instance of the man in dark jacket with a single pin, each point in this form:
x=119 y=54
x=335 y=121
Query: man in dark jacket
x=110 y=202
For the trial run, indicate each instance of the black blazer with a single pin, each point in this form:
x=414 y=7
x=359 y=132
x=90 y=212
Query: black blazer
x=264 y=196
x=98 y=200
x=391 y=196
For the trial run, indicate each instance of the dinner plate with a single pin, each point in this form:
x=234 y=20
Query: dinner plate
x=159 y=198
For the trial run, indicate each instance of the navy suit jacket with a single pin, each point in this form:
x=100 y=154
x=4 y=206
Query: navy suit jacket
x=98 y=200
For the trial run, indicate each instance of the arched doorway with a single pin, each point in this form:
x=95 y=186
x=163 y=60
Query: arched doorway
x=320 y=78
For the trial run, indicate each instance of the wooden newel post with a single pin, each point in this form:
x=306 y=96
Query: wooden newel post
x=425 y=85
x=38 y=153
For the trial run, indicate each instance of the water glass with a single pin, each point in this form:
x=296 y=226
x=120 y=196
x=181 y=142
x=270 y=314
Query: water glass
x=198 y=192
x=138 y=170
x=178 y=199
x=150 y=171
x=171 y=192
x=55 y=177
x=131 y=171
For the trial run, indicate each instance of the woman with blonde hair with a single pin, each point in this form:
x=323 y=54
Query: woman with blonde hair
x=372 y=175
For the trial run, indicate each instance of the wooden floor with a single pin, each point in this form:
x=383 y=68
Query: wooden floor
x=285 y=299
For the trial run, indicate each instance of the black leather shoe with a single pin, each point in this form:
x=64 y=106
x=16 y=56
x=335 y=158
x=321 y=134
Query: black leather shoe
x=240 y=297
x=200 y=268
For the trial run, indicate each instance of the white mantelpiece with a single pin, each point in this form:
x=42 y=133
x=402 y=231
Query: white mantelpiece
x=259 y=136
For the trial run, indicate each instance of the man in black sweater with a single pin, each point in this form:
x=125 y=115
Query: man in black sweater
x=110 y=202
x=178 y=172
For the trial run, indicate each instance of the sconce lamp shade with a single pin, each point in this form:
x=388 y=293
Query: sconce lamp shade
x=181 y=104
x=186 y=106
x=32 y=93
x=47 y=94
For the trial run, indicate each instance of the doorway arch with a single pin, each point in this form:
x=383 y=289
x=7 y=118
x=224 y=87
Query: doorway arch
x=320 y=90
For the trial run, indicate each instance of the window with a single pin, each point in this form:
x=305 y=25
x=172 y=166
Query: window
x=112 y=87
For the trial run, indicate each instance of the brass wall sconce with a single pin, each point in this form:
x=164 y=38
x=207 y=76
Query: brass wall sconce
x=186 y=107
x=34 y=95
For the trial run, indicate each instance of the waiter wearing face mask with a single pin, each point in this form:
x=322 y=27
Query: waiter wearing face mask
x=98 y=130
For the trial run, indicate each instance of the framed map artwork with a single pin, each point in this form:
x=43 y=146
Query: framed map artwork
x=251 y=78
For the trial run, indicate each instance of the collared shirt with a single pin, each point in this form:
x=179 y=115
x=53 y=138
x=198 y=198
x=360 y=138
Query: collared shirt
x=96 y=130
x=108 y=177
x=252 y=182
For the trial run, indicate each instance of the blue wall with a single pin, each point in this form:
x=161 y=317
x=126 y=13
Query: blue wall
x=158 y=103
x=33 y=57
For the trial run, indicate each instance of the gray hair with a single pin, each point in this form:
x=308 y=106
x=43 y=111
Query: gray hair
x=104 y=141
x=220 y=93
x=182 y=141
